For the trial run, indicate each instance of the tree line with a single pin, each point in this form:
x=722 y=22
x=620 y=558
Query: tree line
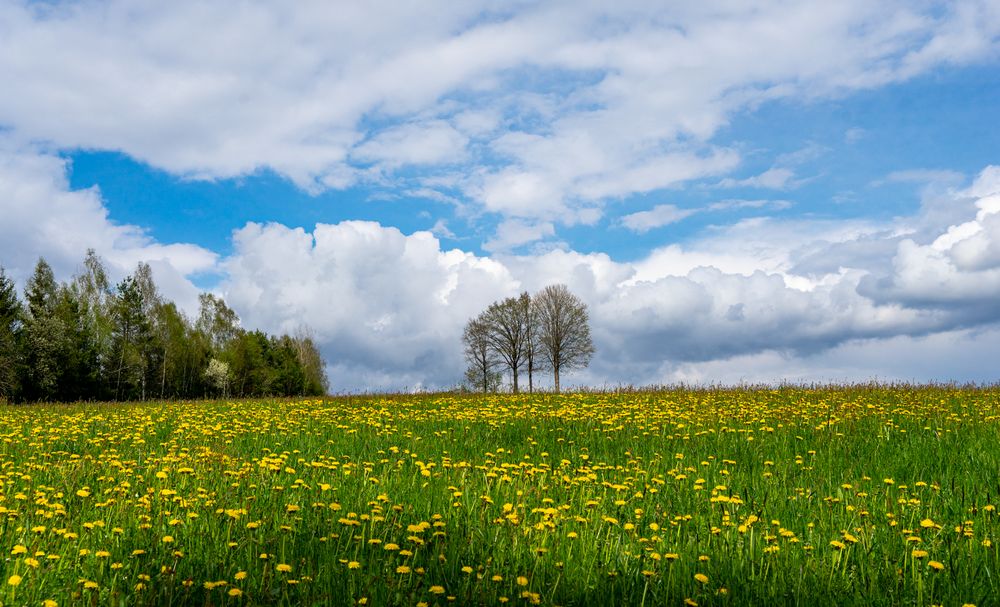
x=87 y=339
x=529 y=333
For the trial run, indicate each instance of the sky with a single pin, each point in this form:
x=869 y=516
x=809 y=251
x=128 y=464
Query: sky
x=740 y=192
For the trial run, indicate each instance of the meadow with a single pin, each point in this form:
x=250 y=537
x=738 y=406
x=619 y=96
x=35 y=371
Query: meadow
x=863 y=495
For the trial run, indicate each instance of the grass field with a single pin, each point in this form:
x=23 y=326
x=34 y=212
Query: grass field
x=862 y=495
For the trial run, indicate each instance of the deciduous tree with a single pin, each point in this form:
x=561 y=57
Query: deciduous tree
x=479 y=354
x=564 y=330
x=507 y=332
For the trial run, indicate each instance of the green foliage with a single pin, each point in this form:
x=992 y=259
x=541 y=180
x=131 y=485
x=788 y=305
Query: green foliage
x=10 y=324
x=87 y=340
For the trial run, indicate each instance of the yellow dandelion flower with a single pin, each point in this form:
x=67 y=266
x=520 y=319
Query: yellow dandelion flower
x=14 y=580
x=936 y=565
x=436 y=590
x=240 y=575
x=284 y=568
x=701 y=577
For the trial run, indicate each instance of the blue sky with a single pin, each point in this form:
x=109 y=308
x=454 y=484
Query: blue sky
x=849 y=149
x=748 y=192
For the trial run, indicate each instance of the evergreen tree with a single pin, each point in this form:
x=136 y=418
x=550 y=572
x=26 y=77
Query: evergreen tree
x=45 y=345
x=80 y=374
x=290 y=379
x=10 y=326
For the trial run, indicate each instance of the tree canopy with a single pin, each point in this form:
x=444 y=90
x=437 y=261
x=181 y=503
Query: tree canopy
x=89 y=340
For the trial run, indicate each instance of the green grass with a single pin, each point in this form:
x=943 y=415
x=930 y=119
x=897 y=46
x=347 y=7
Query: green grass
x=585 y=499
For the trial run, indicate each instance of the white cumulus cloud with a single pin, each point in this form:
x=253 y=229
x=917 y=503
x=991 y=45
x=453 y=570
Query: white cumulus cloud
x=552 y=110
x=735 y=304
x=41 y=216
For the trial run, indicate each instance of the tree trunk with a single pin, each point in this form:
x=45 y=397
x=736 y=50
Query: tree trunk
x=118 y=382
x=555 y=374
x=163 y=378
x=514 y=371
x=531 y=371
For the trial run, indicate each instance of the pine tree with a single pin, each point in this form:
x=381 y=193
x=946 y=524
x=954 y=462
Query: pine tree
x=45 y=344
x=10 y=326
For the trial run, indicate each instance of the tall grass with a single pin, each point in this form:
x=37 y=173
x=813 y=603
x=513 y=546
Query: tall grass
x=864 y=495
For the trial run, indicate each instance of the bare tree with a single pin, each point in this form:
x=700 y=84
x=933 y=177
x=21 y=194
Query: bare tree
x=480 y=355
x=564 y=330
x=533 y=347
x=507 y=334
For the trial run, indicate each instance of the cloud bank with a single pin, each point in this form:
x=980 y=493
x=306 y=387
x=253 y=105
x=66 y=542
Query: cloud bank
x=769 y=296
x=389 y=307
